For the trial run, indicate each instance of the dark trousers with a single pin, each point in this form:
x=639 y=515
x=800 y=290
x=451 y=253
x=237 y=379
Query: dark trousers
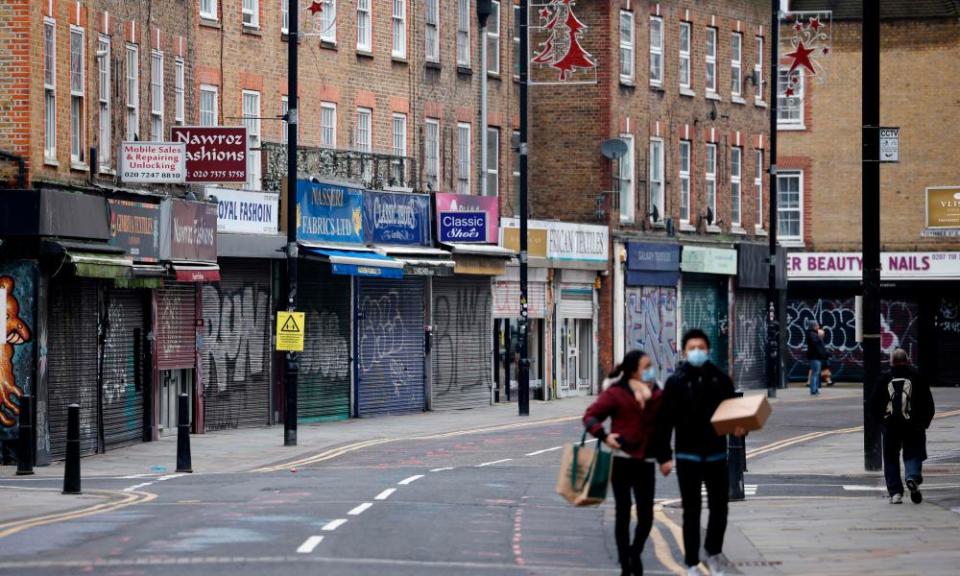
x=692 y=475
x=913 y=442
x=631 y=475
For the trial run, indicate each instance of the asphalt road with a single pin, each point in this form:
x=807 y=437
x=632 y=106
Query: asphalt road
x=472 y=504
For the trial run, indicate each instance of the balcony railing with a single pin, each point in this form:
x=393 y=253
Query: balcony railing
x=368 y=170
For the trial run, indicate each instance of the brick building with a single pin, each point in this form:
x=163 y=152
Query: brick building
x=820 y=159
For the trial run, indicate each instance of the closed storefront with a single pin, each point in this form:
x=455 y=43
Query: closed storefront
x=650 y=297
x=576 y=332
x=462 y=342
x=122 y=388
x=947 y=334
x=176 y=349
x=749 y=314
x=704 y=296
x=506 y=312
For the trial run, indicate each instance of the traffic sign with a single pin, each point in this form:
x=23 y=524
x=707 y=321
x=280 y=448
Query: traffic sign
x=290 y=331
x=889 y=144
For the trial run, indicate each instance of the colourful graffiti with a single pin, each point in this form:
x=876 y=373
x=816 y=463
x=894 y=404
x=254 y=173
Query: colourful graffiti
x=16 y=360
x=652 y=325
x=899 y=325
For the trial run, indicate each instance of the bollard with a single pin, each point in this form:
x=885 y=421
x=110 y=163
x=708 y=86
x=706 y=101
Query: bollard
x=184 y=463
x=71 y=472
x=25 y=445
x=736 y=461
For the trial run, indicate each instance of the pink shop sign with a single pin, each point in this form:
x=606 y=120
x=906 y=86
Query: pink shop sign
x=894 y=265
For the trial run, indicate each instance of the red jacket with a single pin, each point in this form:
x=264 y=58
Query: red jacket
x=634 y=424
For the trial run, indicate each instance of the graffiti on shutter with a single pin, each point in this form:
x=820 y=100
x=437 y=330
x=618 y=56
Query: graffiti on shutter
x=749 y=340
x=462 y=343
x=652 y=325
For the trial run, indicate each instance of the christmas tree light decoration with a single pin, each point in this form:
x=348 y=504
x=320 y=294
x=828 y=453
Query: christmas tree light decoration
x=560 y=46
x=806 y=41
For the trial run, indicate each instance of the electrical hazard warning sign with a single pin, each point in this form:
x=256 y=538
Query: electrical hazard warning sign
x=290 y=331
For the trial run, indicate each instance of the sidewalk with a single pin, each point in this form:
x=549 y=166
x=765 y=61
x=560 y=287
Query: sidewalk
x=250 y=448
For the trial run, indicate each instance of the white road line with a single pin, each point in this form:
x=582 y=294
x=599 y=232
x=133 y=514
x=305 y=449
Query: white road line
x=309 y=545
x=169 y=477
x=135 y=476
x=136 y=487
x=385 y=494
x=442 y=469
x=360 y=509
x=485 y=464
x=538 y=452
x=861 y=488
x=334 y=524
x=410 y=480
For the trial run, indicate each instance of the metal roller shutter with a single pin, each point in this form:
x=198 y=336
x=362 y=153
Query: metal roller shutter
x=176 y=327
x=506 y=299
x=462 y=347
x=72 y=361
x=390 y=346
x=948 y=341
x=705 y=307
x=651 y=325
x=749 y=340
x=324 y=379
x=236 y=357
x=122 y=386
x=576 y=301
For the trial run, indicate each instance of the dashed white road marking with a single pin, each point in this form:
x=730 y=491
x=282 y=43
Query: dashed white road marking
x=385 y=494
x=442 y=469
x=136 y=487
x=862 y=488
x=485 y=464
x=544 y=451
x=334 y=524
x=135 y=476
x=410 y=480
x=169 y=477
x=309 y=545
x=360 y=509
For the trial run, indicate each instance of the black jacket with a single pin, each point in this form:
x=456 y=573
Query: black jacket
x=921 y=399
x=816 y=349
x=690 y=398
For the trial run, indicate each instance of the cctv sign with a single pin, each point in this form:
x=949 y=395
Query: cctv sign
x=889 y=144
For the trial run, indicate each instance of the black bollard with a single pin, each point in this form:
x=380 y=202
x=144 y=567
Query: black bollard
x=184 y=463
x=736 y=459
x=25 y=445
x=71 y=472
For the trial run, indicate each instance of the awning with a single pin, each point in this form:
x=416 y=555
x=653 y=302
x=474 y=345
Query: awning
x=95 y=265
x=489 y=250
x=143 y=276
x=356 y=262
x=420 y=260
x=189 y=271
x=479 y=259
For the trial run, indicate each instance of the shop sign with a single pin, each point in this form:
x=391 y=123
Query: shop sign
x=135 y=227
x=536 y=236
x=245 y=212
x=894 y=265
x=702 y=260
x=152 y=162
x=214 y=154
x=396 y=218
x=943 y=211
x=329 y=212
x=577 y=243
x=463 y=218
x=189 y=231
x=652 y=256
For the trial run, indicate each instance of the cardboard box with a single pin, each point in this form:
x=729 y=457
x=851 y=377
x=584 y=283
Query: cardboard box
x=749 y=412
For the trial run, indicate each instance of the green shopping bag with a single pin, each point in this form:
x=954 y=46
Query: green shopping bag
x=584 y=473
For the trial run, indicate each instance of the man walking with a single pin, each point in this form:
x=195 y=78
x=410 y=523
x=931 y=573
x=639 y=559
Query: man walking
x=816 y=355
x=904 y=403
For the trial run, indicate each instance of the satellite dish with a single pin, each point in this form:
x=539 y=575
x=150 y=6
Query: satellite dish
x=613 y=148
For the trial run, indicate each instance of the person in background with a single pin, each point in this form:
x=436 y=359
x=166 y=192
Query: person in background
x=690 y=398
x=905 y=405
x=816 y=355
x=630 y=400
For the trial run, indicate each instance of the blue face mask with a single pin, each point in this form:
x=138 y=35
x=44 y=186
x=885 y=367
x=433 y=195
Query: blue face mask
x=649 y=375
x=697 y=357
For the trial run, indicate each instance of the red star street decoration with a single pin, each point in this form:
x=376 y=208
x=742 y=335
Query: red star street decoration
x=815 y=23
x=316 y=7
x=801 y=57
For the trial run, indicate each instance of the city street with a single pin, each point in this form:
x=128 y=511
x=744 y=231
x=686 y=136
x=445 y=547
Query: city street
x=483 y=502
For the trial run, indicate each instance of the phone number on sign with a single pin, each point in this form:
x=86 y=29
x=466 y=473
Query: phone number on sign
x=138 y=175
x=218 y=174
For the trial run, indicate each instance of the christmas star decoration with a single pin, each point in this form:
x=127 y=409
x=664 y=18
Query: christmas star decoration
x=316 y=7
x=826 y=50
x=798 y=26
x=545 y=13
x=789 y=92
x=801 y=57
x=815 y=23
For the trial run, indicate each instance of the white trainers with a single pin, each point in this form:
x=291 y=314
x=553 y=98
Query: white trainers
x=896 y=499
x=717 y=564
x=693 y=571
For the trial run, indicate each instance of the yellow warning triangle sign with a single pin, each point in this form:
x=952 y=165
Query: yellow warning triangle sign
x=290 y=325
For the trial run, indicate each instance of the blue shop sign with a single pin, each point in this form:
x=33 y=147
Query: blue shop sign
x=396 y=218
x=462 y=226
x=329 y=213
x=653 y=264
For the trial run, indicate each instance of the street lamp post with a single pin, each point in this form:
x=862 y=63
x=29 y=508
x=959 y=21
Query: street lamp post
x=773 y=295
x=291 y=366
x=523 y=376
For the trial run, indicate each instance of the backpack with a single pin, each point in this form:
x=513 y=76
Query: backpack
x=899 y=403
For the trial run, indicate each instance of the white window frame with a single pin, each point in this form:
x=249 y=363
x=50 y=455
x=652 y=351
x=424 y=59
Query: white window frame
x=493 y=39
x=736 y=66
x=363 y=131
x=399 y=26
x=736 y=186
x=211 y=12
x=328 y=133
x=656 y=52
x=399 y=125
x=251 y=119
x=655 y=179
x=50 y=90
x=284 y=16
x=685 y=180
x=132 y=87
x=685 y=64
x=758 y=72
x=758 y=187
x=156 y=95
x=432 y=33
x=516 y=161
x=214 y=93
x=628 y=204
x=710 y=178
x=364 y=27
x=628 y=47
x=328 y=22
x=493 y=162
x=464 y=16
x=431 y=151
x=516 y=41
x=78 y=81
x=464 y=154
x=710 y=51
x=787 y=239
x=179 y=87
x=104 y=85
x=798 y=123
x=250 y=14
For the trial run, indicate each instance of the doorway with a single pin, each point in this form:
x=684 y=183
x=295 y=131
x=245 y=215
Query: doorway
x=172 y=383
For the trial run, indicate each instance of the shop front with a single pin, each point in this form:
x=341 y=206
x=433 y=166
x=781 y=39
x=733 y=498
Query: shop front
x=705 y=293
x=652 y=277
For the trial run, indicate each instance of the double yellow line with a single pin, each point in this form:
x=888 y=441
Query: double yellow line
x=126 y=499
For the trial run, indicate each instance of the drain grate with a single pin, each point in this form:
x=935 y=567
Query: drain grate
x=757 y=563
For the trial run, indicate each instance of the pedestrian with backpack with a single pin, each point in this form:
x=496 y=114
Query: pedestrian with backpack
x=905 y=405
x=817 y=356
x=630 y=399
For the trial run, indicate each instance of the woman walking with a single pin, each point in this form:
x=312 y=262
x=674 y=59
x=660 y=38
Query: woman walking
x=630 y=399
